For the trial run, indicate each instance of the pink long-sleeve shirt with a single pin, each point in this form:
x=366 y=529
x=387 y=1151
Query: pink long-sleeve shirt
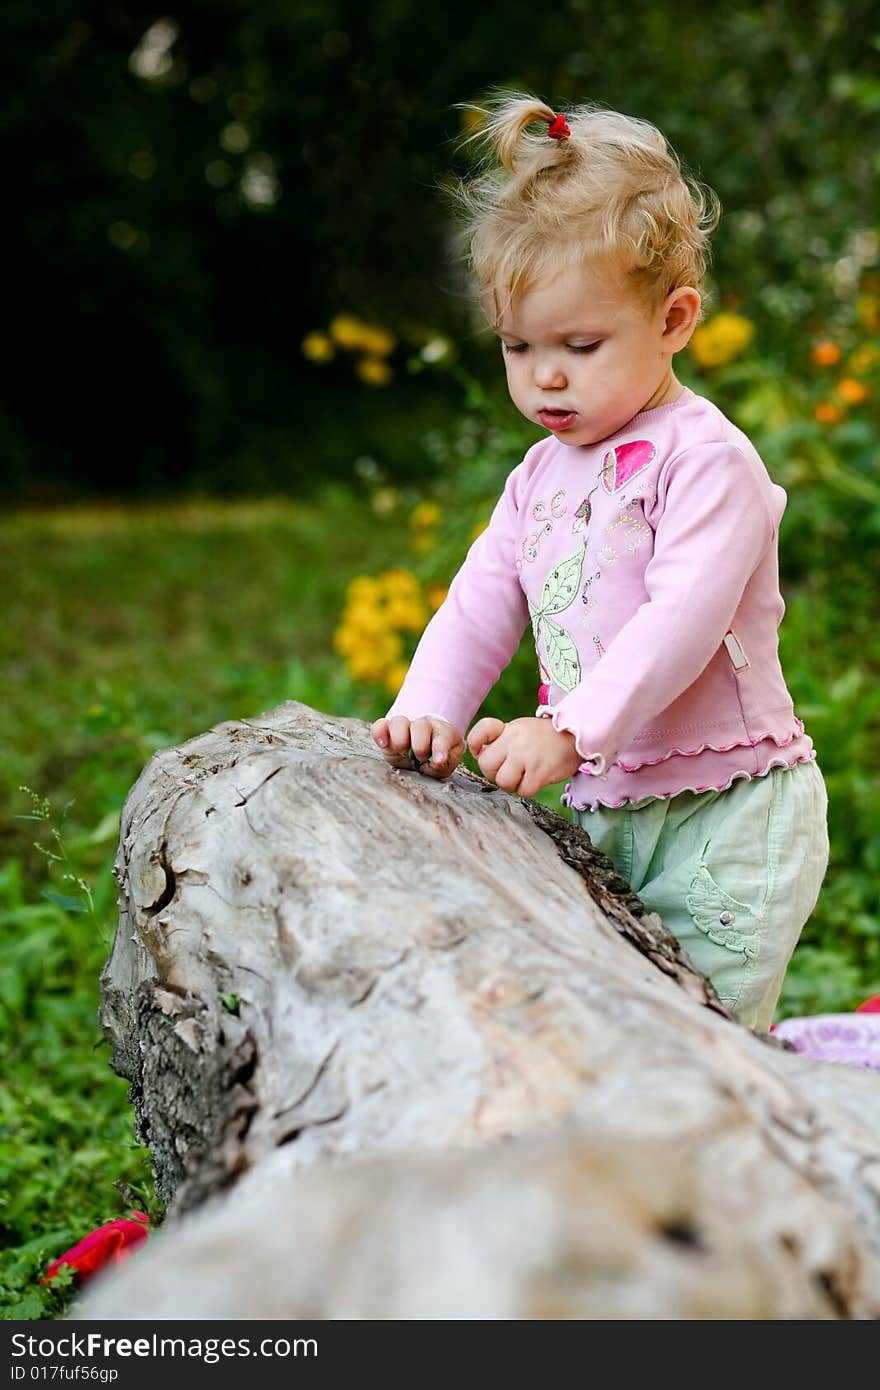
x=648 y=567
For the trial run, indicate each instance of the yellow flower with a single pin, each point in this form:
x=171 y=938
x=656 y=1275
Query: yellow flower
x=477 y=530
x=827 y=413
x=374 y=371
x=435 y=594
x=346 y=639
x=723 y=338
x=405 y=614
x=364 y=589
x=348 y=331
x=864 y=358
x=363 y=665
x=390 y=647
x=317 y=347
x=424 y=516
x=377 y=341
x=423 y=542
x=395 y=675
x=851 y=391
x=398 y=584
x=370 y=663
x=366 y=619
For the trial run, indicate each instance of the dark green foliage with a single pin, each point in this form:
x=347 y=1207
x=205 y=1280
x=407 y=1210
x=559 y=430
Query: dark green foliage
x=155 y=306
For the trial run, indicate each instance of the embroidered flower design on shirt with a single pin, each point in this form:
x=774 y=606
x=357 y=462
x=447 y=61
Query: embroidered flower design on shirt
x=607 y=555
x=560 y=587
x=625 y=462
x=545 y=516
x=528 y=551
x=557 y=507
x=582 y=515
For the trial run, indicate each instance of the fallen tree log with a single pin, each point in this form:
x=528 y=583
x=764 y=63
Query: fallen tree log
x=337 y=987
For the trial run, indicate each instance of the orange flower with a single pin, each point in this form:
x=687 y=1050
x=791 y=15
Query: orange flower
x=435 y=594
x=828 y=413
x=851 y=391
x=826 y=353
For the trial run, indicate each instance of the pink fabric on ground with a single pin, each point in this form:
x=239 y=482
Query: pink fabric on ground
x=852 y=1039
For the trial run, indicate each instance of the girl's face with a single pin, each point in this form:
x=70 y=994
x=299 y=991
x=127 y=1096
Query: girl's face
x=583 y=355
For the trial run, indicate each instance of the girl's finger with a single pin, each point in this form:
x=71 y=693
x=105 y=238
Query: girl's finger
x=485 y=731
x=399 y=733
x=446 y=752
x=510 y=775
x=490 y=760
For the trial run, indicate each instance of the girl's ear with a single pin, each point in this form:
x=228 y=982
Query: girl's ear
x=681 y=313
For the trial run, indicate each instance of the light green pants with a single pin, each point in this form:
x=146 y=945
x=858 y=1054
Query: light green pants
x=734 y=874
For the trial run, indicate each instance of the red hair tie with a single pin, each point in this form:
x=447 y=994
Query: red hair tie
x=559 y=128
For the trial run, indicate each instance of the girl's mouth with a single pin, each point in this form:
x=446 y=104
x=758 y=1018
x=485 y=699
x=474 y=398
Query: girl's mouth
x=557 y=419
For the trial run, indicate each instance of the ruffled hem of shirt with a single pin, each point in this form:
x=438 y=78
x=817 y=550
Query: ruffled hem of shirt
x=665 y=796
x=594 y=764
x=797 y=732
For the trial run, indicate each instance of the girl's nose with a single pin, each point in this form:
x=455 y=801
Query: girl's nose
x=549 y=372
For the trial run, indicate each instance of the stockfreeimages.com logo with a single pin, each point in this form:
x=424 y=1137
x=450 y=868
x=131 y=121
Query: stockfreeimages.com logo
x=94 y=1345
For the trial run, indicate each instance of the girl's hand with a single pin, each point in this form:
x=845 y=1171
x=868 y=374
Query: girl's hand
x=430 y=745
x=524 y=755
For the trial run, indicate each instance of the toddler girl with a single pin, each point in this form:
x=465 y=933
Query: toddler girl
x=640 y=539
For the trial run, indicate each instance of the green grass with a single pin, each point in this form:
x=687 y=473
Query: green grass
x=129 y=629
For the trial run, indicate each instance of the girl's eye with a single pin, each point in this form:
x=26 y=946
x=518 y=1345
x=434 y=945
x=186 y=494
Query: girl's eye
x=573 y=347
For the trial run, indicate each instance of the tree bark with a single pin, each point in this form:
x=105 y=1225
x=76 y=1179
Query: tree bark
x=516 y=1096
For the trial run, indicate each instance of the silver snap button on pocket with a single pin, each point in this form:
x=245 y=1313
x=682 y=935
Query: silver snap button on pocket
x=726 y=918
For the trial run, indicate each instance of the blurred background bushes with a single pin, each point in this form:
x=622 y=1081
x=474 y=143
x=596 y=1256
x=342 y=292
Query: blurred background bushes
x=193 y=193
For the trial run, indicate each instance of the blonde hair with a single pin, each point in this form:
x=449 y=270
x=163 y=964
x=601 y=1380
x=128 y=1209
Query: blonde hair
x=613 y=193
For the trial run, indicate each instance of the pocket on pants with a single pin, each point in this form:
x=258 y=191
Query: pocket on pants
x=727 y=934
x=722 y=918
x=730 y=886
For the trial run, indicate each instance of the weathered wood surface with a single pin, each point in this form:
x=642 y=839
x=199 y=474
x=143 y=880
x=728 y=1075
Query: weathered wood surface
x=469 y=1075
